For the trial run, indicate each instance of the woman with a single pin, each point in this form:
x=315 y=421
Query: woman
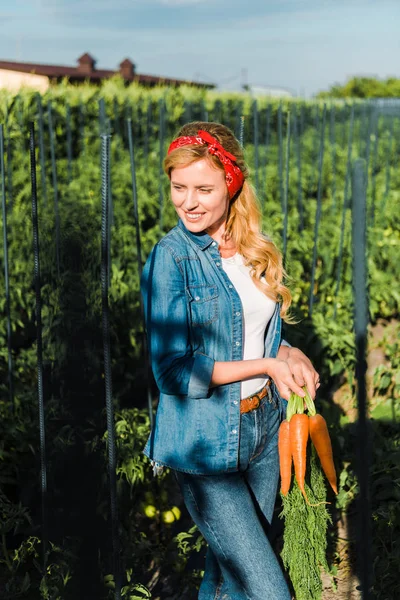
x=214 y=300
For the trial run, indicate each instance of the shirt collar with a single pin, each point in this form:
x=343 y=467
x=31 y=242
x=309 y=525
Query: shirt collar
x=202 y=239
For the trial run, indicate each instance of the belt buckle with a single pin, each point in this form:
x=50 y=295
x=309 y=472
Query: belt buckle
x=258 y=401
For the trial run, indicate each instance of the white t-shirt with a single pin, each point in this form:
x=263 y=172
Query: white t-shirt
x=257 y=312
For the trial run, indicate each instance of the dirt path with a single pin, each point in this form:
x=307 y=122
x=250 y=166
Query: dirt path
x=346 y=581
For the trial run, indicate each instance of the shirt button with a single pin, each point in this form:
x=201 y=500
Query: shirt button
x=234 y=431
x=230 y=286
x=235 y=402
x=214 y=244
x=238 y=314
x=237 y=343
x=197 y=298
x=218 y=264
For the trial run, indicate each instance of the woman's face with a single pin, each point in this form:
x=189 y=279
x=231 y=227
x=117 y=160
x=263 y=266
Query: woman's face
x=200 y=196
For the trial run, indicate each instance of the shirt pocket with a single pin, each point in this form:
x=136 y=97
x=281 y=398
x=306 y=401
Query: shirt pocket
x=203 y=304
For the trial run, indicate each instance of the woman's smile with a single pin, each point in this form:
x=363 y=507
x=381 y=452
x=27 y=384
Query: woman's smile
x=194 y=216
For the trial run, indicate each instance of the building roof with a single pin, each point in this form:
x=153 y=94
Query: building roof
x=268 y=90
x=86 y=69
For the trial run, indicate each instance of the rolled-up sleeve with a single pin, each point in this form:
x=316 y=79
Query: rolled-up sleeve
x=285 y=343
x=177 y=369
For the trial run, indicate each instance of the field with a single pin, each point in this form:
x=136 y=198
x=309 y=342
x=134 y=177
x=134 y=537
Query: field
x=77 y=498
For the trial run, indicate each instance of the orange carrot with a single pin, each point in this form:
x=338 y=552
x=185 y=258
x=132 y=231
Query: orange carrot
x=285 y=457
x=320 y=437
x=298 y=444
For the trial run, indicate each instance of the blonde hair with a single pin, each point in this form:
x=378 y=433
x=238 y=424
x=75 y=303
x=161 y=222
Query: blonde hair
x=243 y=223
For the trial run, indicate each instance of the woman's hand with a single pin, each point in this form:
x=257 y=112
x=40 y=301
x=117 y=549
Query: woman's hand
x=302 y=370
x=279 y=370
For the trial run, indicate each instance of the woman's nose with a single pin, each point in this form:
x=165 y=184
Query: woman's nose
x=190 y=200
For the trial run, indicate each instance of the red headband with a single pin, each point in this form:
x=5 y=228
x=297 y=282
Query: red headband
x=233 y=175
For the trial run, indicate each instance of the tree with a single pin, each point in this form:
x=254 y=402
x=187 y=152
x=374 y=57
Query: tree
x=364 y=87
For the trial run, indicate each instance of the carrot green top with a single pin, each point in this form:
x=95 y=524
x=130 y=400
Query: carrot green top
x=296 y=405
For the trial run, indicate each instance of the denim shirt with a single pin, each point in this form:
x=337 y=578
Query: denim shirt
x=194 y=317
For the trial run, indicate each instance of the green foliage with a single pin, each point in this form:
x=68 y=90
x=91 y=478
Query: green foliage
x=26 y=574
x=348 y=486
x=386 y=381
x=305 y=535
x=364 y=87
x=132 y=591
x=157 y=538
x=385 y=505
x=189 y=541
x=132 y=427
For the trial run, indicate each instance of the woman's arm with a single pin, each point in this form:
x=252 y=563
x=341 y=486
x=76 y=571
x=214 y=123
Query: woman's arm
x=277 y=369
x=176 y=368
x=291 y=370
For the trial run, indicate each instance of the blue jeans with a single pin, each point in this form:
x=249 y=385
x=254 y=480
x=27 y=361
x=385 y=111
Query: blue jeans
x=233 y=511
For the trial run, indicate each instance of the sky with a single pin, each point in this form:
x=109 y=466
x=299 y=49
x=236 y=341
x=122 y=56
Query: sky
x=304 y=46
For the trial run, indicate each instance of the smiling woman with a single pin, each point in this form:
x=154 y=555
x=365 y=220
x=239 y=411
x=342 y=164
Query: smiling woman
x=214 y=300
x=200 y=196
x=238 y=225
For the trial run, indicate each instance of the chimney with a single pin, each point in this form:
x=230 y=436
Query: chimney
x=86 y=64
x=127 y=69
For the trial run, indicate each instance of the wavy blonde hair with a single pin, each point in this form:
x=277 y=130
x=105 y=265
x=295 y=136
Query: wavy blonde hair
x=243 y=223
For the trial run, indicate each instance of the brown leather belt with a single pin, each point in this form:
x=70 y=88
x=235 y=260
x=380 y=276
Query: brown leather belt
x=252 y=402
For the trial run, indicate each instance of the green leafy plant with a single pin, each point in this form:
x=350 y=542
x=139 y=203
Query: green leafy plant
x=305 y=534
x=157 y=536
x=386 y=382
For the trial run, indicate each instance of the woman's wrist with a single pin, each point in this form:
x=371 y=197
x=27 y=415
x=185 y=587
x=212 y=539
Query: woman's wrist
x=284 y=352
x=268 y=366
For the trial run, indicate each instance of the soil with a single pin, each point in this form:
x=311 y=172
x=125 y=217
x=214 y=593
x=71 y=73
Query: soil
x=346 y=582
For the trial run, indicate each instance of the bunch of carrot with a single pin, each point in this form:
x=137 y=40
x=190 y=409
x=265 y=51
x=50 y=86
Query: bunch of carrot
x=293 y=438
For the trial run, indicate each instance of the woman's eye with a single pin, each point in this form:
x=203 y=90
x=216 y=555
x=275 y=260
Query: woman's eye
x=177 y=188
x=204 y=191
